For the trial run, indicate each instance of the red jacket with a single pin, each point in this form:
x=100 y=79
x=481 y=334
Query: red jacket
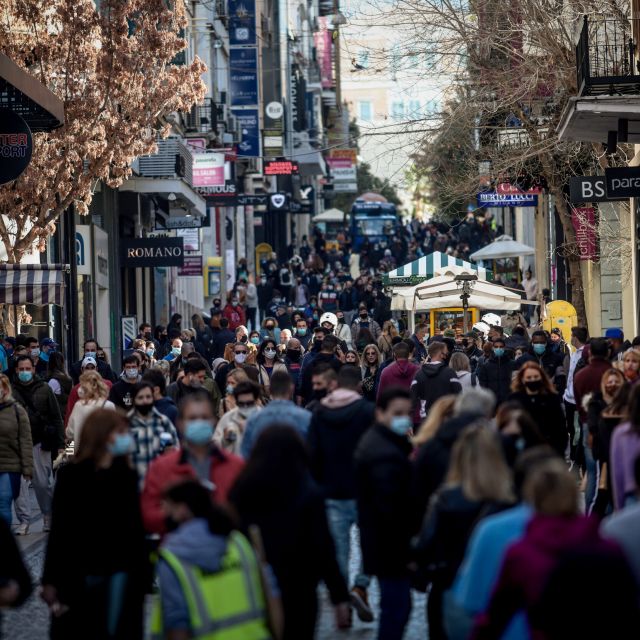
x=235 y=316
x=172 y=468
x=398 y=374
x=588 y=380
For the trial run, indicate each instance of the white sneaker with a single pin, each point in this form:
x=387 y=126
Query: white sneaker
x=46 y=523
x=22 y=529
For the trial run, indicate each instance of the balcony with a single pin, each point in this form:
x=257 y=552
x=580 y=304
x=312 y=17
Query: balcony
x=606 y=58
x=202 y=119
x=607 y=107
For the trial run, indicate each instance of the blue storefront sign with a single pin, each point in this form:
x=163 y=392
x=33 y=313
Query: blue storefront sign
x=242 y=22
x=243 y=77
x=249 y=124
x=493 y=199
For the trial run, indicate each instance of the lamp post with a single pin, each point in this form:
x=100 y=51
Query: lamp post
x=465 y=281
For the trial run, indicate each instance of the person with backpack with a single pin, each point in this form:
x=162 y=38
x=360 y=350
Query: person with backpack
x=434 y=379
x=496 y=371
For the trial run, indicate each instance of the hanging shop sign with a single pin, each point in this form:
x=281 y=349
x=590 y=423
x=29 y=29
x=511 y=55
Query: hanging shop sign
x=242 y=22
x=589 y=189
x=190 y=237
x=243 y=77
x=192 y=266
x=225 y=196
x=208 y=169
x=278 y=202
x=152 y=252
x=281 y=168
x=622 y=182
x=494 y=199
x=249 y=124
x=585 y=225
x=16 y=145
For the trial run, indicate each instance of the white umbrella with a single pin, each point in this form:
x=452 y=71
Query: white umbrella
x=503 y=247
x=330 y=215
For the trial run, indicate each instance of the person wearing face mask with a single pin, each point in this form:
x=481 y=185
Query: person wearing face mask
x=385 y=513
x=364 y=321
x=292 y=360
x=495 y=372
x=91 y=349
x=238 y=360
x=121 y=393
x=47 y=436
x=551 y=361
x=254 y=338
x=234 y=311
x=96 y=513
x=176 y=350
x=222 y=338
x=198 y=458
x=270 y=329
x=229 y=431
x=195 y=371
x=47 y=346
x=579 y=337
x=228 y=403
x=152 y=432
x=532 y=389
x=268 y=362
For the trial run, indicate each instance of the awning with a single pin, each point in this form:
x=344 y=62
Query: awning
x=32 y=283
x=424 y=268
x=330 y=215
x=310 y=160
x=503 y=247
x=183 y=193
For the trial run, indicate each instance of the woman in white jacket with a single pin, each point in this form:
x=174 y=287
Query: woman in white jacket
x=92 y=394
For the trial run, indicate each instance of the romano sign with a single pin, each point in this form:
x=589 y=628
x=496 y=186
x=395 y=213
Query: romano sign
x=622 y=182
x=152 y=252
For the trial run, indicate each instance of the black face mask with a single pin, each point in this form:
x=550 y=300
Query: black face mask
x=293 y=355
x=340 y=320
x=364 y=316
x=533 y=385
x=243 y=339
x=318 y=394
x=144 y=409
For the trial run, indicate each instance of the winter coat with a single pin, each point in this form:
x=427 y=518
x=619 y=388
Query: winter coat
x=173 y=467
x=398 y=374
x=235 y=316
x=386 y=513
x=335 y=430
x=495 y=374
x=369 y=323
x=588 y=380
x=81 y=411
x=16 y=447
x=432 y=381
x=545 y=409
x=529 y=563
x=420 y=351
x=551 y=361
x=43 y=411
x=625 y=448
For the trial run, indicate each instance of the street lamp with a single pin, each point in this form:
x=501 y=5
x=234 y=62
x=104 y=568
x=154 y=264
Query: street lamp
x=465 y=282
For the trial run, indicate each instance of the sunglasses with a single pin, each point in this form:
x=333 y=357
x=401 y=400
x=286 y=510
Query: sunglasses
x=239 y=352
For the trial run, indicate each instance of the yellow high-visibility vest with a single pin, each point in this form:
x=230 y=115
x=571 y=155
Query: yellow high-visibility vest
x=226 y=605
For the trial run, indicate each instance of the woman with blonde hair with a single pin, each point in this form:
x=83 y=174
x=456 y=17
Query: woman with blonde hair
x=461 y=364
x=92 y=394
x=16 y=450
x=385 y=343
x=478 y=484
x=228 y=402
x=441 y=410
x=534 y=392
x=370 y=363
x=630 y=366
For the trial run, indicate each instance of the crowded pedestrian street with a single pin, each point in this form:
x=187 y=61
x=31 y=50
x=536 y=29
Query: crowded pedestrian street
x=319 y=320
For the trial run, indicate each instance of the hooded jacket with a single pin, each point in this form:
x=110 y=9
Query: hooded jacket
x=495 y=374
x=398 y=374
x=42 y=408
x=335 y=430
x=432 y=381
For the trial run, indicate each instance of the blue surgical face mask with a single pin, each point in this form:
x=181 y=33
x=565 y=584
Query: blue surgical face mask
x=89 y=354
x=539 y=349
x=44 y=356
x=150 y=352
x=176 y=351
x=499 y=352
x=198 y=431
x=35 y=353
x=401 y=425
x=25 y=376
x=255 y=340
x=229 y=389
x=302 y=332
x=122 y=445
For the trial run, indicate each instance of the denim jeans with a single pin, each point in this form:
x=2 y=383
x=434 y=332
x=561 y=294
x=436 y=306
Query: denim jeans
x=9 y=489
x=592 y=472
x=395 y=607
x=341 y=515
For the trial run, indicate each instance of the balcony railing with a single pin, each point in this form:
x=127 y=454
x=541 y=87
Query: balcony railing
x=606 y=58
x=173 y=160
x=203 y=118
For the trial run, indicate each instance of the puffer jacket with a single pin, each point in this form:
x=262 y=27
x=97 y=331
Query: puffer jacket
x=16 y=454
x=42 y=408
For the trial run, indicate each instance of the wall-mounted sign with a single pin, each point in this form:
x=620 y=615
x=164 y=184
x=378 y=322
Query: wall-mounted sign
x=182 y=222
x=243 y=77
x=192 y=266
x=151 y=252
x=622 y=182
x=101 y=257
x=83 y=249
x=225 y=196
x=584 y=224
x=493 y=199
x=191 y=238
x=345 y=187
x=278 y=202
x=208 y=169
x=274 y=110
x=589 y=189
x=242 y=22
x=253 y=199
x=16 y=145
x=507 y=187
x=280 y=168
x=248 y=121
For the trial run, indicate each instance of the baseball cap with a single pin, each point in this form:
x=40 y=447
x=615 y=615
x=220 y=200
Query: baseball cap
x=49 y=342
x=89 y=360
x=614 y=333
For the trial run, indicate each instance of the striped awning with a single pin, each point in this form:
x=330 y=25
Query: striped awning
x=32 y=283
x=424 y=268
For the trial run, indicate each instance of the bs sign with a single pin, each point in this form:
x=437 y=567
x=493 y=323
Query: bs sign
x=589 y=189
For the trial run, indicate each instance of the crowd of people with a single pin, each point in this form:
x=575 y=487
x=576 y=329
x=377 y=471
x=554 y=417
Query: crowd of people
x=224 y=469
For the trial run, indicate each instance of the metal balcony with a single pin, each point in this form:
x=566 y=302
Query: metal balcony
x=203 y=118
x=173 y=160
x=606 y=58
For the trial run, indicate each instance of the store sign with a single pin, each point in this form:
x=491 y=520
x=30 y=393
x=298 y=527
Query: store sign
x=151 y=252
x=192 y=266
x=273 y=142
x=274 y=110
x=208 y=169
x=242 y=22
x=345 y=187
x=622 y=182
x=324 y=52
x=83 y=249
x=101 y=256
x=190 y=237
x=281 y=168
x=585 y=226
x=16 y=145
x=253 y=199
x=507 y=187
x=225 y=196
x=243 y=77
x=248 y=121
x=344 y=174
x=183 y=222
x=494 y=199
x=278 y=202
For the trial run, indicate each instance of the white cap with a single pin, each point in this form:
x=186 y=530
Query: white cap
x=492 y=319
x=329 y=317
x=89 y=360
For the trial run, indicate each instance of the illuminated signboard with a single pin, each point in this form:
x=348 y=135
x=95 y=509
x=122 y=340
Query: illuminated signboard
x=280 y=168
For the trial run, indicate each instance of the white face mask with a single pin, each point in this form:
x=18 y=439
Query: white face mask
x=269 y=353
x=240 y=357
